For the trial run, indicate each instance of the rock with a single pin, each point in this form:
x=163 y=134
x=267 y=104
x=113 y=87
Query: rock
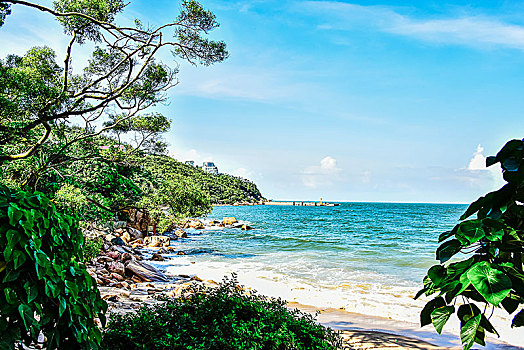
x=136 y=279
x=237 y=225
x=229 y=220
x=145 y=272
x=109 y=237
x=180 y=253
x=126 y=237
x=116 y=267
x=135 y=234
x=246 y=227
x=139 y=220
x=196 y=224
x=125 y=257
x=114 y=255
x=103 y=259
x=117 y=277
x=198 y=279
x=119 y=231
x=118 y=241
x=157 y=241
x=157 y=257
x=181 y=233
x=162 y=251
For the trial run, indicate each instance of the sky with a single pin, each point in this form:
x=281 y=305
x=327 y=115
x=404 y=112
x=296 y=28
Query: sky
x=382 y=101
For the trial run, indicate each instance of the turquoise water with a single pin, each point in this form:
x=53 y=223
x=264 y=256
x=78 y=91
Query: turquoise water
x=362 y=257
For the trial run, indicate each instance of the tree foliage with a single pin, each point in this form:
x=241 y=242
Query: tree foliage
x=45 y=285
x=493 y=272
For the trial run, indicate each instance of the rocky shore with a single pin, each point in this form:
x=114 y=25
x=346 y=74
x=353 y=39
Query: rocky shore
x=124 y=272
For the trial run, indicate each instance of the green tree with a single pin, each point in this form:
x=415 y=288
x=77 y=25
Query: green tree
x=493 y=242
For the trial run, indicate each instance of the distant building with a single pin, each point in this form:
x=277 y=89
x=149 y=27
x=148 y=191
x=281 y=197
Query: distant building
x=210 y=167
x=190 y=162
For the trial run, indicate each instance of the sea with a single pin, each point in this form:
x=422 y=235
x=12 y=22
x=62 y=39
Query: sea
x=364 y=258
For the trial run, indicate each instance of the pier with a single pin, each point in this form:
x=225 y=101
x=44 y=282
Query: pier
x=302 y=204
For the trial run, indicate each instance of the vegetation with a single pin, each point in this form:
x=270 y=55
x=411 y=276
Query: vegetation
x=493 y=243
x=46 y=288
x=226 y=317
x=221 y=189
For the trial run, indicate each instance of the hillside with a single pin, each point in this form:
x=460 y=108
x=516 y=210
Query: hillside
x=222 y=188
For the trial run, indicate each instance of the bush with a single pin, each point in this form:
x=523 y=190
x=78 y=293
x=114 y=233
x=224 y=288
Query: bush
x=45 y=287
x=92 y=248
x=222 y=318
x=493 y=274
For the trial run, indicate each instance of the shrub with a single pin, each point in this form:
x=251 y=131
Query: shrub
x=493 y=274
x=45 y=287
x=226 y=317
x=92 y=248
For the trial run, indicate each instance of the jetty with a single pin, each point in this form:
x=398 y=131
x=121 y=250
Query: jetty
x=303 y=203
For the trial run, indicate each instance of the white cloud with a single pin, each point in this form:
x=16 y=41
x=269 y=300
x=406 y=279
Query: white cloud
x=323 y=175
x=477 y=31
x=478 y=162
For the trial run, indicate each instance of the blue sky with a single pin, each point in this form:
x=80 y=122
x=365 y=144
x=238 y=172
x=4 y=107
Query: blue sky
x=356 y=101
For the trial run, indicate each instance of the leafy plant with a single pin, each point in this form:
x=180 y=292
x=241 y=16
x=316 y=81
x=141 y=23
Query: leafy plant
x=493 y=273
x=226 y=317
x=45 y=286
x=92 y=248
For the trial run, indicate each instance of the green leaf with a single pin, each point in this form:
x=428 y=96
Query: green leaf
x=510 y=305
x=27 y=315
x=437 y=273
x=440 y=316
x=62 y=305
x=448 y=249
x=31 y=290
x=492 y=284
x=468 y=332
x=10 y=296
x=518 y=320
x=19 y=257
x=425 y=314
x=14 y=215
x=470 y=231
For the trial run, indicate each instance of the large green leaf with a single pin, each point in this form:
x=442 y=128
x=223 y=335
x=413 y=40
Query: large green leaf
x=492 y=284
x=437 y=273
x=468 y=332
x=425 y=314
x=440 y=316
x=470 y=231
x=448 y=249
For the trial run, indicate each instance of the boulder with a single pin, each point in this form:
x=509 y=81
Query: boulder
x=139 y=220
x=146 y=272
x=196 y=224
x=162 y=251
x=229 y=220
x=157 y=257
x=246 y=227
x=157 y=241
x=181 y=233
x=180 y=253
x=237 y=225
x=116 y=267
x=114 y=255
x=118 y=241
x=126 y=237
x=109 y=237
x=125 y=257
x=134 y=233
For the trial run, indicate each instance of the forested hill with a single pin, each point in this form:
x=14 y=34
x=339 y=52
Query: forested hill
x=222 y=188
